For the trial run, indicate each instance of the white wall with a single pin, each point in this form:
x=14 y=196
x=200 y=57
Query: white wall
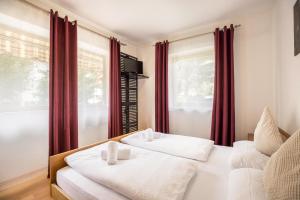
x=254 y=68
x=288 y=68
x=254 y=74
x=146 y=97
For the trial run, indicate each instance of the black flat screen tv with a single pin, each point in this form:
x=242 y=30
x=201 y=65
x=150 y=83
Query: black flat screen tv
x=133 y=66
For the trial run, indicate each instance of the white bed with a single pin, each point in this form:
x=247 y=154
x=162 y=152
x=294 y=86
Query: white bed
x=210 y=182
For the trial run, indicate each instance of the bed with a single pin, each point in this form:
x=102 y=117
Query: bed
x=211 y=176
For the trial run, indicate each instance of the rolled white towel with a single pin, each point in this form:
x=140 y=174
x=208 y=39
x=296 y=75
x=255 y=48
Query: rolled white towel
x=149 y=136
x=112 y=152
x=149 y=130
x=123 y=154
x=157 y=135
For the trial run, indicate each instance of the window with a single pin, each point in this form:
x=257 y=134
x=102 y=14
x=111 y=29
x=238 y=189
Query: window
x=191 y=74
x=24 y=87
x=93 y=53
x=24 y=72
x=24 y=55
x=91 y=77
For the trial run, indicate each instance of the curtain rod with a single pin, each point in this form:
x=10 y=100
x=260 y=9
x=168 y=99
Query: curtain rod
x=198 y=35
x=78 y=24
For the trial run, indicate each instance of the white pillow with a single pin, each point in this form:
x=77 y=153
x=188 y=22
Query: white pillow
x=267 y=137
x=246 y=184
x=244 y=155
x=244 y=144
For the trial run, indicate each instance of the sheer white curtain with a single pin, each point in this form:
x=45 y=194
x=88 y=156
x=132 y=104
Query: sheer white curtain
x=93 y=55
x=191 y=79
x=24 y=88
x=24 y=55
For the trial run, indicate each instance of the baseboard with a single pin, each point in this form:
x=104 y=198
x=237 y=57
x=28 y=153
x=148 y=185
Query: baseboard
x=26 y=179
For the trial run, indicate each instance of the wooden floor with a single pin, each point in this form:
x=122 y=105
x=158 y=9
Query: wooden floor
x=37 y=190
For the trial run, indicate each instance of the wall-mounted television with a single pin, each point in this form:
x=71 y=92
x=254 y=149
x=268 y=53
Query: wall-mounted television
x=130 y=64
x=133 y=65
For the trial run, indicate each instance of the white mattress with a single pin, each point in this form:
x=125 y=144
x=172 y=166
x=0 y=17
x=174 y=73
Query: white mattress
x=210 y=183
x=79 y=187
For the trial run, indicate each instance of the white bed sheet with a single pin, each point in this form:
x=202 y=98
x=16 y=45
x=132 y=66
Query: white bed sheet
x=79 y=187
x=210 y=183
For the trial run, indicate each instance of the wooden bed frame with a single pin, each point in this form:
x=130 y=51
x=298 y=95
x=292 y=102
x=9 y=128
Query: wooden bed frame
x=284 y=135
x=57 y=162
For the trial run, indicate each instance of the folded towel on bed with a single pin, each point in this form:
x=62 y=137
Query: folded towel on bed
x=112 y=152
x=148 y=175
x=148 y=135
x=123 y=154
x=177 y=145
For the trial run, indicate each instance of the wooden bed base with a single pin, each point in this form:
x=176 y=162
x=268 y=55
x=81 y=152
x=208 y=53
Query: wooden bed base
x=57 y=162
x=284 y=135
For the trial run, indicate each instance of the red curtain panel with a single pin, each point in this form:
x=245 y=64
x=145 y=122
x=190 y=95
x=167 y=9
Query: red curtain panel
x=223 y=114
x=114 y=111
x=63 y=122
x=161 y=87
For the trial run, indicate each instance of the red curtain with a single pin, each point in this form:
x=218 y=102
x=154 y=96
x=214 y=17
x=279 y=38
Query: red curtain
x=63 y=122
x=161 y=87
x=114 y=112
x=223 y=115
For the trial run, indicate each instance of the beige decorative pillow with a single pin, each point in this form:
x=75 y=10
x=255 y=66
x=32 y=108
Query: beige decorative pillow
x=282 y=172
x=267 y=137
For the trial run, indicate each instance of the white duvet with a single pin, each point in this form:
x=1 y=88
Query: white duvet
x=147 y=175
x=177 y=145
x=246 y=184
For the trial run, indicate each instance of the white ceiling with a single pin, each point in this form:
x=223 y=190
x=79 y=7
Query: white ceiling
x=147 y=20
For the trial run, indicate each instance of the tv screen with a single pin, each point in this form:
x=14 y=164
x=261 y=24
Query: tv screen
x=133 y=65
